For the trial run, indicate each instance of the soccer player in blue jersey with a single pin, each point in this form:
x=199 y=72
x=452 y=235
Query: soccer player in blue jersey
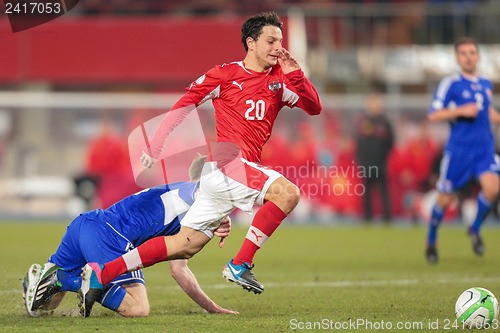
x=104 y=235
x=464 y=100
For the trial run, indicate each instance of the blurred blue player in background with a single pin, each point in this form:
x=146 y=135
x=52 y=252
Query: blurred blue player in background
x=464 y=100
x=104 y=235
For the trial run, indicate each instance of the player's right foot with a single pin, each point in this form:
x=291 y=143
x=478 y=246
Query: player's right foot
x=46 y=286
x=29 y=286
x=431 y=254
x=91 y=289
x=477 y=242
x=243 y=276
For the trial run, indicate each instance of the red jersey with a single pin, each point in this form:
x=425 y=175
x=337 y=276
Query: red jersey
x=246 y=104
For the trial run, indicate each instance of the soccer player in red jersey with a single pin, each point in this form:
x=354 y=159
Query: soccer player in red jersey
x=247 y=96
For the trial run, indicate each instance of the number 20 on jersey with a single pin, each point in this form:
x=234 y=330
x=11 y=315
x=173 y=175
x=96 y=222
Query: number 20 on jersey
x=256 y=110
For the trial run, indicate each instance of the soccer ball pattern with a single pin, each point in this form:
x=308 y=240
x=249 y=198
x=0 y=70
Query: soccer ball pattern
x=476 y=308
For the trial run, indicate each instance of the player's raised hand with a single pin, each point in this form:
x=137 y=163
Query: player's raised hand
x=287 y=62
x=223 y=230
x=147 y=160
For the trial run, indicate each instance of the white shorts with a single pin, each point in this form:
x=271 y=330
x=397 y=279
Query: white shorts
x=238 y=184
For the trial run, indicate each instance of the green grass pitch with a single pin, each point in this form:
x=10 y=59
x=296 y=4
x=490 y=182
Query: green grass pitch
x=374 y=277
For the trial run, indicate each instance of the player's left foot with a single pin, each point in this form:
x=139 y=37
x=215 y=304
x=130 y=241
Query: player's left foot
x=29 y=286
x=431 y=254
x=242 y=275
x=477 y=242
x=91 y=289
x=46 y=286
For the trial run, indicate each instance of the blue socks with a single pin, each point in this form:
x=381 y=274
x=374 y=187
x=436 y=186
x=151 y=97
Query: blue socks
x=436 y=218
x=113 y=297
x=69 y=282
x=483 y=208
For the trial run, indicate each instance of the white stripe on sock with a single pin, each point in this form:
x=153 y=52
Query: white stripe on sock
x=133 y=260
x=256 y=236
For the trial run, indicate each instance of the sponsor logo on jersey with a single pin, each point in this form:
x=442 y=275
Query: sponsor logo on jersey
x=476 y=86
x=238 y=84
x=466 y=94
x=275 y=86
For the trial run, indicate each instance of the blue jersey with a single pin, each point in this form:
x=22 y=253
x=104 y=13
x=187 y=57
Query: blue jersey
x=466 y=133
x=104 y=235
x=150 y=213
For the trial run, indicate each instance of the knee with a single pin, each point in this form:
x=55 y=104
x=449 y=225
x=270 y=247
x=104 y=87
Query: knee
x=142 y=311
x=292 y=194
x=444 y=200
x=491 y=193
x=138 y=310
x=188 y=252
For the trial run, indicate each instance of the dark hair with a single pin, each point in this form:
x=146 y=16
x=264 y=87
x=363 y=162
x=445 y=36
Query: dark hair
x=253 y=26
x=465 y=40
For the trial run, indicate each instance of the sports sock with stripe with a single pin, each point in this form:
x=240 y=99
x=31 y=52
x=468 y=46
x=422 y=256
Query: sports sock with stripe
x=145 y=255
x=483 y=208
x=265 y=222
x=113 y=297
x=436 y=217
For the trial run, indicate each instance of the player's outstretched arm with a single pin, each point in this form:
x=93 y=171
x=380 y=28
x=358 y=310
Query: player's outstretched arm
x=198 y=92
x=469 y=110
x=187 y=281
x=170 y=121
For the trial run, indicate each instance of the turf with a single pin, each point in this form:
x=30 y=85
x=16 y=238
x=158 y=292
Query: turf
x=374 y=277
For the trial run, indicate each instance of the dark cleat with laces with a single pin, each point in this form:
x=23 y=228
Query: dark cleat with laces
x=477 y=242
x=243 y=276
x=431 y=254
x=91 y=289
x=46 y=286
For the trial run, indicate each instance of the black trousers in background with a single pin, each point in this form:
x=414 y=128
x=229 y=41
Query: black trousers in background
x=381 y=183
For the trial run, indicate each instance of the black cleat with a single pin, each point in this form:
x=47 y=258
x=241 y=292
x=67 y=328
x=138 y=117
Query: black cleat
x=29 y=286
x=243 y=276
x=91 y=289
x=431 y=254
x=477 y=242
x=47 y=286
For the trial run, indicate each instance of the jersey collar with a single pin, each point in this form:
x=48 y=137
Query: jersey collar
x=250 y=71
x=469 y=78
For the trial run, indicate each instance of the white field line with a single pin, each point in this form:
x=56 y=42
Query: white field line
x=331 y=284
x=367 y=283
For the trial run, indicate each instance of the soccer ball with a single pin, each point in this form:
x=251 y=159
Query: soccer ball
x=476 y=308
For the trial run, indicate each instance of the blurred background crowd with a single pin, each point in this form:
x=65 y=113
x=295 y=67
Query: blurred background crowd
x=72 y=91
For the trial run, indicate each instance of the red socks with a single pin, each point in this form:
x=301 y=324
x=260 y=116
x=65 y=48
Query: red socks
x=145 y=255
x=267 y=219
x=265 y=222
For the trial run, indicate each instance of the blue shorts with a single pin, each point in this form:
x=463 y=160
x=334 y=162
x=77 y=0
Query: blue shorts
x=91 y=240
x=457 y=168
